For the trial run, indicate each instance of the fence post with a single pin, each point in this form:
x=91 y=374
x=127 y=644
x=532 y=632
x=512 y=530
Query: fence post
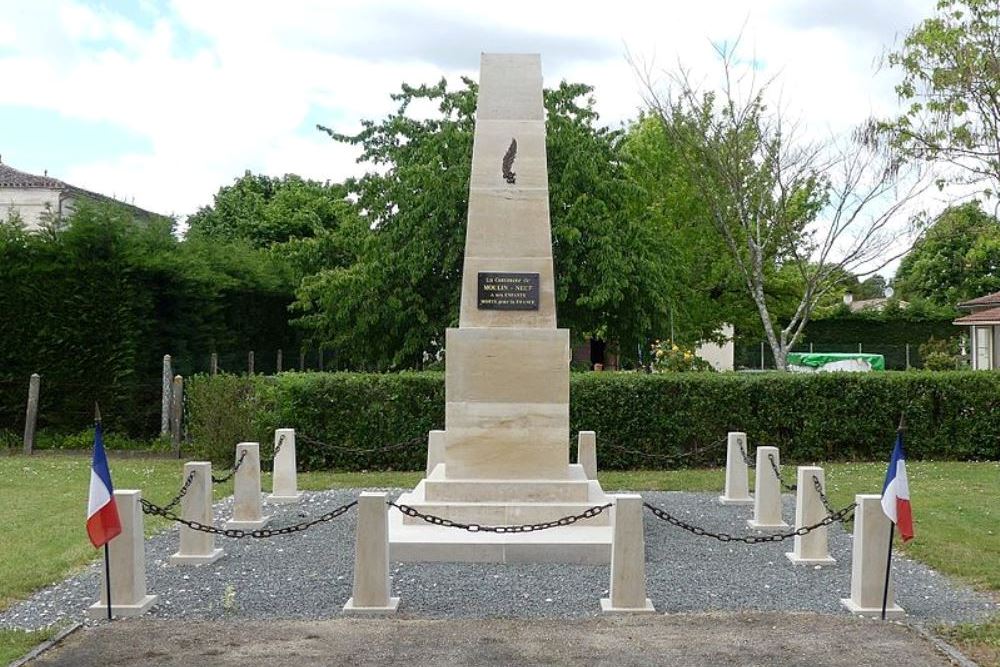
x=302 y=360
x=767 y=492
x=278 y=363
x=761 y=355
x=372 y=592
x=859 y=348
x=166 y=388
x=128 y=564
x=812 y=548
x=907 y=356
x=284 y=472
x=810 y=348
x=177 y=414
x=869 y=553
x=320 y=360
x=627 y=592
x=247 y=509
x=737 y=489
x=31 y=412
x=250 y=362
x=213 y=364
x=197 y=547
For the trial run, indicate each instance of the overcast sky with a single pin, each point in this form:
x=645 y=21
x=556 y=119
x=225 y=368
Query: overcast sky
x=164 y=101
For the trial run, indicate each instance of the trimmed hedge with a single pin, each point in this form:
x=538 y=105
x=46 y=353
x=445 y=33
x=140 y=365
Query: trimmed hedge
x=821 y=417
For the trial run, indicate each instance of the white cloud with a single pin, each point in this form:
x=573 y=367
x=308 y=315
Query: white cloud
x=220 y=87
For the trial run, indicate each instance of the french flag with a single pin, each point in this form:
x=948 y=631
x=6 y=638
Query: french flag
x=896 y=492
x=102 y=512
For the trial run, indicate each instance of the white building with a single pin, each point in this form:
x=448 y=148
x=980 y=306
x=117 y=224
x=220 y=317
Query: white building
x=40 y=199
x=984 y=330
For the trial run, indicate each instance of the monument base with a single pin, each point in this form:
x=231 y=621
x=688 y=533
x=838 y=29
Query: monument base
x=352 y=610
x=892 y=611
x=606 y=608
x=757 y=525
x=736 y=501
x=284 y=500
x=196 y=559
x=99 y=611
x=247 y=525
x=828 y=560
x=496 y=502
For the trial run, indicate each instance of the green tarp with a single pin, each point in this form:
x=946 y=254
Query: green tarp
x=817 y=359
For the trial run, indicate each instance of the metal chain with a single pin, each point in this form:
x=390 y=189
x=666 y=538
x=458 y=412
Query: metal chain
x=746 y=459
x=277 y=447
x=353 y=450
x=479 y=528
x=232 y=471
x=822 y=495
x=237 y=533
x=840 y=515
x=180 y=494
x=777 y=473
x=664 y=457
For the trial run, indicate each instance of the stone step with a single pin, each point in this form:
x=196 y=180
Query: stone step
x=497 y=490
x=505 y=514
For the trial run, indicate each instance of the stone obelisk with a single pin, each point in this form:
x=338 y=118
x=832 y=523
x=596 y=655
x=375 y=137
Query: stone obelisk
x=506 y=436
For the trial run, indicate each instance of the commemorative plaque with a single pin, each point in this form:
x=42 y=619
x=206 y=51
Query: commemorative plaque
x=507 y=291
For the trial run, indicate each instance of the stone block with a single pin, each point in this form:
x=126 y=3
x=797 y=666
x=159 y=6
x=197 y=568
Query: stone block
x=371 y=592
x=436 y=443
x=544 y=318
x=248 y=511
x=284 y=482
x=492 y=145
x=869 y=552
x=510 y=87
x=197 y=547
x=767 y=492
x=737 y=490
x=628 y=560
x=586 y=453
x=127 y=558
x=812 y=548
x=504 y=365
x=522 y=214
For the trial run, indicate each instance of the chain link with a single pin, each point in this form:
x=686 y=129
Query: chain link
x=277 y=447
x=777 y=473
x=750 y=463
x=374 y=450
x=232 y=471
x=588 y=513
x=822 y=495
x=237 y=533
x=180 y=494
x=839 y=515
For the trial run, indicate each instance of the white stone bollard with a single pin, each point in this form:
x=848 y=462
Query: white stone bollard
x=868 y=561
x=435 y=450
x=127 y=557
x=767 y=492
x=737 y=488
x=197 y=547
x=628 y=560
x=586 y=453
x=284 y=476
x=812 y=548
x=372 y=593
x=247 y=511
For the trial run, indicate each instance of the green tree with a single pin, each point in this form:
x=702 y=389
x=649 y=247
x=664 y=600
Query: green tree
x=951 y=88
x=391 y=306
x=264 y=210
x=958 y=258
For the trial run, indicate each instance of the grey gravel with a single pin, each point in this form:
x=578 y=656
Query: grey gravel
x=308 y=575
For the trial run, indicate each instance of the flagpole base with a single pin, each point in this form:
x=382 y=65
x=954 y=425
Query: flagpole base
x=99 y=611
x=893 y=611
x=196 y=559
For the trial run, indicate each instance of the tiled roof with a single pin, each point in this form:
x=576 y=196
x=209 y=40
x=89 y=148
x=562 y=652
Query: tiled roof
x=988 y=316
x=988 y=300
x=13 y=178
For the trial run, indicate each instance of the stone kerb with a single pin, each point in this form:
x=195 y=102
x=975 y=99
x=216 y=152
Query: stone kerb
x=284 y=482
x=767 y=492
x=586 y=453
x=868 y=561
x=371 y=592
x=812 y=548
x=247 y=508
x=127 y=558
x=197 y=547
x=737 y=490
x=627 y=593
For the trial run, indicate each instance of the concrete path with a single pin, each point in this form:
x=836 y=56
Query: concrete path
x=806 y=639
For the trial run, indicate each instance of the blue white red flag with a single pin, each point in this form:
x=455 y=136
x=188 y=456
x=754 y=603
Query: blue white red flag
x=896 y=492
x=103 y=523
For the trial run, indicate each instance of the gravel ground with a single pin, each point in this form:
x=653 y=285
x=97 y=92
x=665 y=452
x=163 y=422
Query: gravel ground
x=308 y=576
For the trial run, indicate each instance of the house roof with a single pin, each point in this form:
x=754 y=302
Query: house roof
x=988 y=316
x=14 y=178
x=987 y=300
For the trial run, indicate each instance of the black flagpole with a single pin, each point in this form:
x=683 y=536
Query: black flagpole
x=107 y=557
x=892 y=532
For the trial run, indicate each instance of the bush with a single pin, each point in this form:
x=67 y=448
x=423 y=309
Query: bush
x=812 y=417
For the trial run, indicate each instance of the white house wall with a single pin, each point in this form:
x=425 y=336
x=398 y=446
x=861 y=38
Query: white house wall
x=30 y=203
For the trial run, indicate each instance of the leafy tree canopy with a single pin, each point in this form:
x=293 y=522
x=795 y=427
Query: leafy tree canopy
x=957 y=259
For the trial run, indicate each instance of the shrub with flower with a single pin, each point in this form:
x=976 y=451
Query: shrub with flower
x=669 y=357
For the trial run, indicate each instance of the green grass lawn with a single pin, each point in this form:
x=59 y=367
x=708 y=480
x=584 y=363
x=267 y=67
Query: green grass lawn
x=956 y=510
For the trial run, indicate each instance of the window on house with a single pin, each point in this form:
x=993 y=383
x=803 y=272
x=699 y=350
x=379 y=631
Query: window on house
x=984 y=347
